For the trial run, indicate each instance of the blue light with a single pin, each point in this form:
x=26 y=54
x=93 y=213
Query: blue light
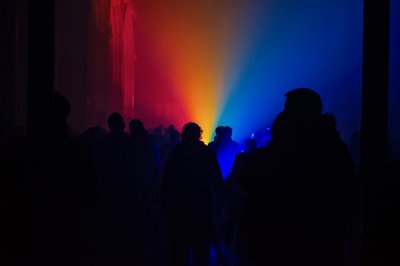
x=312 y=43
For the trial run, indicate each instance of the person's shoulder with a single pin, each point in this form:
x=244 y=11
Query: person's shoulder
x=212 y=144
x=206 y=148
x=241 y=155
x=178 y=147
x=260 y=150
x=327 y=125
x=255 y=155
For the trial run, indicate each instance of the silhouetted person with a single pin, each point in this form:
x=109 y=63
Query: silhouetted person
x=191 y=192
x=116 y=124
x=117 y=153
x=299 y=188
x=216 y=143
x=249 y=146
x=172 y=134
x=51 y=189
x=136 y=128
x=144 y=145
x=225 y=148
x=158 y=135
x=235 y=196
x=146 y=169
x=173 y=137
x=118 y=187
x=94 y=139
x=230 y=148
x=170 y=139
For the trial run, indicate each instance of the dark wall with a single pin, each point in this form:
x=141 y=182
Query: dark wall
x=71 y=53
x=7 y=61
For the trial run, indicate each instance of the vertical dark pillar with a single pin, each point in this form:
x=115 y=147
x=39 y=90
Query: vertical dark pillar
x=375 y=84
x=21 y=65
x=40 y=63
x=374 y=120
x=7 y=61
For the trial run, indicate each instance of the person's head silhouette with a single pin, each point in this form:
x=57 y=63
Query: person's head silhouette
x=136 y=125
x=303 y=103
x=174 y=136
x=191 y=132
x=219 y=131
x=171 y=128
x=228 y=132
x=116 y=123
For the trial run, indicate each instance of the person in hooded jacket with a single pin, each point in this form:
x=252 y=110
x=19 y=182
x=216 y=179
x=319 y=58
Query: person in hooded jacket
x=191 y=193
x=300 y=188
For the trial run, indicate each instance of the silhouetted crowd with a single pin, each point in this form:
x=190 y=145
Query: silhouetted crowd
x=128 y=195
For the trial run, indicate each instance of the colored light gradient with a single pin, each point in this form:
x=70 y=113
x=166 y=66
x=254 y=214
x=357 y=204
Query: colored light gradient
x=230 y=62
x=176 y=35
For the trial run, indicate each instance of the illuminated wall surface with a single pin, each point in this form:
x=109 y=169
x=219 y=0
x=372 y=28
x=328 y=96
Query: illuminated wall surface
x=95 y=59
x=225 y=62
x=229 y=62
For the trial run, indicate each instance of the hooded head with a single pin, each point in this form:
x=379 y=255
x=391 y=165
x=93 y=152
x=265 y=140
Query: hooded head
x=303 y=103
